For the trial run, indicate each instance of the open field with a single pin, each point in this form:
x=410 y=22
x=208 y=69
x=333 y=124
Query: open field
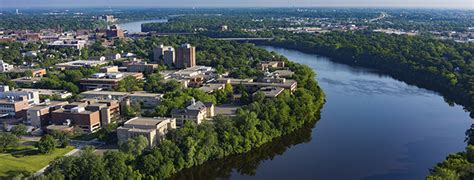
x=27 y=159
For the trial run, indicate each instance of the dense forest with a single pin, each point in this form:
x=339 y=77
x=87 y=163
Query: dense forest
x=444 y=66
x=211 y=26
x=47 y=21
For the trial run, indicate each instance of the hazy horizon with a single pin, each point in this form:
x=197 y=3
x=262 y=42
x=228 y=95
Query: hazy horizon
x=456 y=4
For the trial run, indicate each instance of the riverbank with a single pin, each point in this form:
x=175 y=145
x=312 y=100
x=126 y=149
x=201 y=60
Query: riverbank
x=451 y=86
x=399 y=131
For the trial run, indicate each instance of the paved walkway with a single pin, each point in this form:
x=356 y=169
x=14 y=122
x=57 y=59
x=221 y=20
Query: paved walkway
x=79 y=145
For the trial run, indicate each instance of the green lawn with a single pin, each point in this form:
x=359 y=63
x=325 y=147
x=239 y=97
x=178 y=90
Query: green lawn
x=27 y=161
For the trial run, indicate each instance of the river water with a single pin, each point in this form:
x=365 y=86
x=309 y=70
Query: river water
x=372 y=127
x=136 y=26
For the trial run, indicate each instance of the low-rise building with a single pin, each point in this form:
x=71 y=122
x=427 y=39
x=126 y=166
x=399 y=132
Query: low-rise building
x=80 y=63
x=270 y=92
x=13 y=106
x=75 y=114
x=210 y=88
x=39 y=115
x=109 y=110
x=30 y=96
x=109 y=69
x=53 y=128
x=97 y=58
x=195 y=111
x=264 y=66
x=154 y=129
x=283 y=73
x=49 y=92
x=142 y=67
x=26 y=81
x=4 y=67
x=76 y=44
x=106 y=81
x=113 y=56
x=254 y=86
x=145 y=99
x=138 y=97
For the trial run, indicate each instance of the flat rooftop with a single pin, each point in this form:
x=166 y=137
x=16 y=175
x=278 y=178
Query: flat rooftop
x=47 y=105
x=146 y=121
x=80 y=63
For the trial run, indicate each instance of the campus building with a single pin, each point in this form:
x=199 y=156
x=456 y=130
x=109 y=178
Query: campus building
x=154 y=129
x=185 y=56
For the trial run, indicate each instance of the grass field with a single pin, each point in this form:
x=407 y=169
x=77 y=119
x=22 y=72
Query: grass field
x=26 y=159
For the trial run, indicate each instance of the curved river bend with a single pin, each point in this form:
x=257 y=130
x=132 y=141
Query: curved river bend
x=372 y=127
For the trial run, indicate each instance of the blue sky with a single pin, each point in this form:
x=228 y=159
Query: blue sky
x=240 y=3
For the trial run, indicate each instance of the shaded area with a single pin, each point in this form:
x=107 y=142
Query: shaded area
x=248 y=163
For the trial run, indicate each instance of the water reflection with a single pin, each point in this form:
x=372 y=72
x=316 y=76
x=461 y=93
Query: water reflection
x=248 y=163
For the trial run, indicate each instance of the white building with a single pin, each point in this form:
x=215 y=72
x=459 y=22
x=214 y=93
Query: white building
x=4 y=67
x=31 y=96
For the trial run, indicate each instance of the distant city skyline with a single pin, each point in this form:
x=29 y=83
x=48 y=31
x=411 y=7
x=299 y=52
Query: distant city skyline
x=464 y=4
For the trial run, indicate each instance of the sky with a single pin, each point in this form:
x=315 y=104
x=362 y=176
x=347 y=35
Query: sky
x=464 y=4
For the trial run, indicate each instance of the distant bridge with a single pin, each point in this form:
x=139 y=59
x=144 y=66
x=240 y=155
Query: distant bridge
x=245 y=39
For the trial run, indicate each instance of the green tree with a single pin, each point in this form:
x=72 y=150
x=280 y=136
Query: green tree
x=19 y=130
x=46 y=144
x=8 y=140
x=134 y=146
x=62 y=139
x=129 y=84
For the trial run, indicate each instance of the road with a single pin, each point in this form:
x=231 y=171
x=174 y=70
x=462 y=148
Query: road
x=382 y=15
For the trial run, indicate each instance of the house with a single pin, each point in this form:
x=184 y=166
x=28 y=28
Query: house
x=154 y=129
x=4 y=67
x=113 y=56
x=195 y=111
x=97 y=58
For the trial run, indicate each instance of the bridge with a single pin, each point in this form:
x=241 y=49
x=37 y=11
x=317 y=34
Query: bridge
x=245 y=39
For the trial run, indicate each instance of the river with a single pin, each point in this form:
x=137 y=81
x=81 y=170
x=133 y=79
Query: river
x=372 y=127
x=136 y=26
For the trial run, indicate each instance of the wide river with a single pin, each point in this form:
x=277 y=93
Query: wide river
x=136 y=26
x=372 y=127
